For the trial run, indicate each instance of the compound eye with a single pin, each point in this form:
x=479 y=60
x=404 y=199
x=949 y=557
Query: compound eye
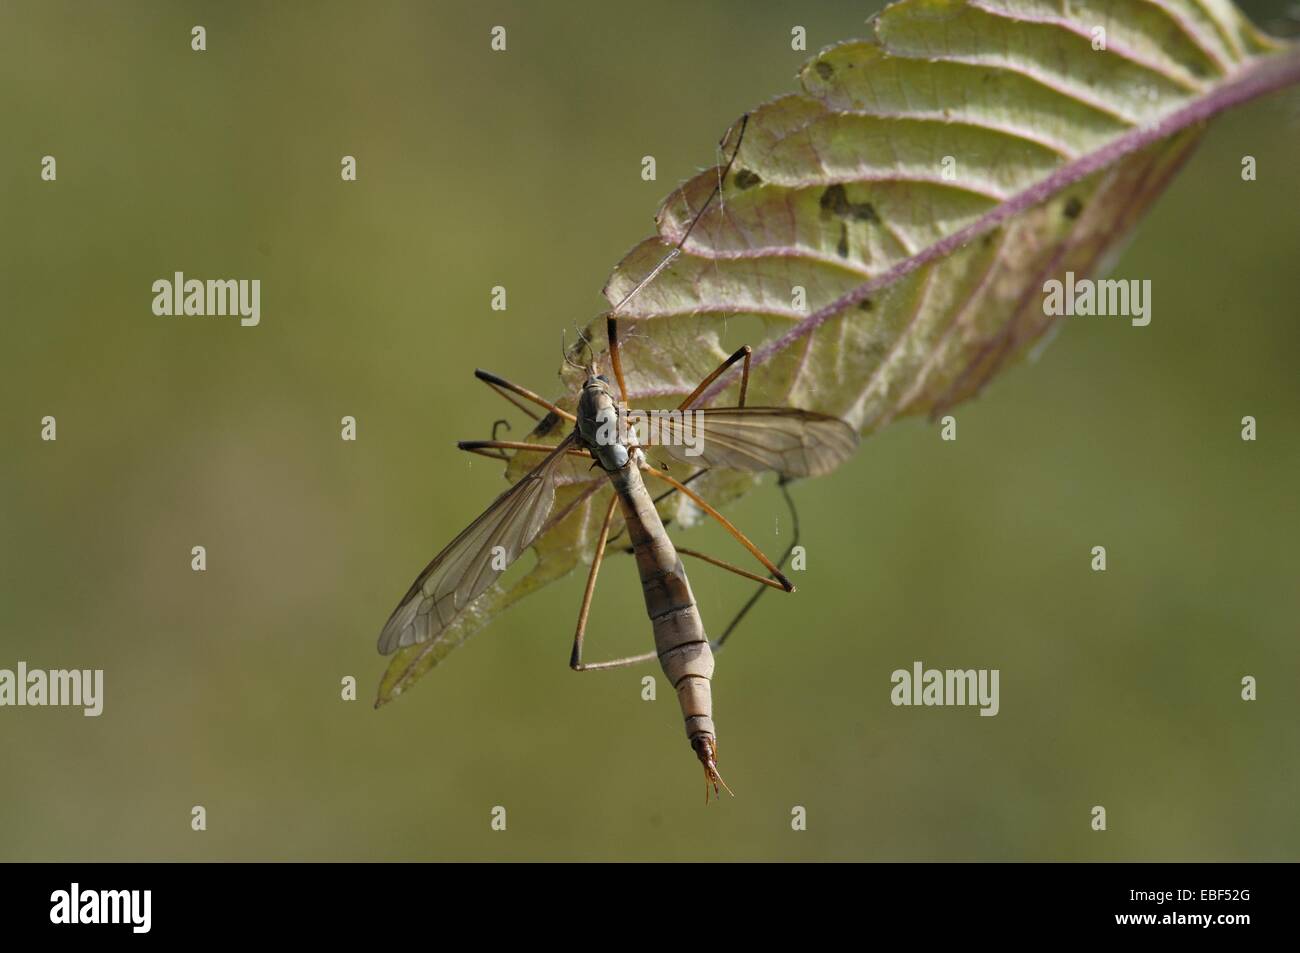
x=602 y=378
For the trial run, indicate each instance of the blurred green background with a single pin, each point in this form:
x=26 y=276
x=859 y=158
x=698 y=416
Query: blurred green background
x=523 y=169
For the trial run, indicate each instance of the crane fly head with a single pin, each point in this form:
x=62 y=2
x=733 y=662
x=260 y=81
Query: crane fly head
x=596 y=387
x=598 y=383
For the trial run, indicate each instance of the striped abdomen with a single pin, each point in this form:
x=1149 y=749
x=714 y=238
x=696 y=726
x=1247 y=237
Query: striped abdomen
x=680 y=640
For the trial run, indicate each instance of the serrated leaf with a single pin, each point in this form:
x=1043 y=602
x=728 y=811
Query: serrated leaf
x=921 y=278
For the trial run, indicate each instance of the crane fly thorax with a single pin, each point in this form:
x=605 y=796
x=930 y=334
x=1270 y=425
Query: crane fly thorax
x=602 y=426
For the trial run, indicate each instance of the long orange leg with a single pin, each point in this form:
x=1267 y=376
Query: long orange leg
x=714 y=561
x=740 y=537
x=482 y=446
x=501 y=386
x=611 y=329
x=743 y=353
x=575 y=659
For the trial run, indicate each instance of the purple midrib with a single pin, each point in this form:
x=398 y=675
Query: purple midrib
x=1261 y=77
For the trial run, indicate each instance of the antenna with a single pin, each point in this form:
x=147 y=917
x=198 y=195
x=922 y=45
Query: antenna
x=611 y=317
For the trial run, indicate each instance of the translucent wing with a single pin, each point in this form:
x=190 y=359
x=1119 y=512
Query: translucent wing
x=472 y=562
x=794 y=443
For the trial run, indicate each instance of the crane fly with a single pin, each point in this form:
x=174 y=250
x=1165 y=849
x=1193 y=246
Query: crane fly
x=793 y=443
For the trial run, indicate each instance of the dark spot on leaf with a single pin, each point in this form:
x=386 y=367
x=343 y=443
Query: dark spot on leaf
x=863 y=212
x=833 y=199
x=745 y=179
x=836 y=201
x=1073 y=207
x=824 y=69
x=842 y=249
x=865 y=304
